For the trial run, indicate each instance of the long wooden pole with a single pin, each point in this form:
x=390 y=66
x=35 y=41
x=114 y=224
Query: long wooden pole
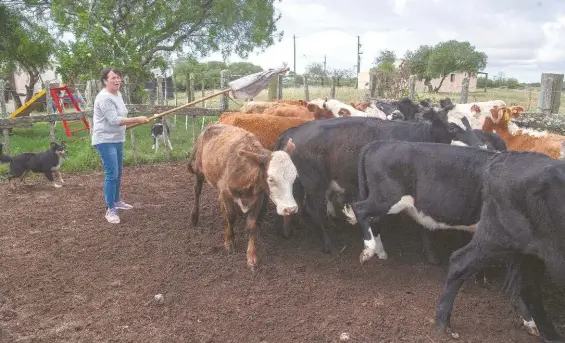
x=182 y=106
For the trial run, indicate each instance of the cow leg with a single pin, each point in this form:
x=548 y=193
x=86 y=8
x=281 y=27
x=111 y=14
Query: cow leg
x=230 y=212
x=154 y=143
x=428 y=249
x=252 y=218
x=527 y=319
x=532 y=270
x=363 y=212
x=169 y=142
x=315 y=208
x=196 y=206
x=463 y=263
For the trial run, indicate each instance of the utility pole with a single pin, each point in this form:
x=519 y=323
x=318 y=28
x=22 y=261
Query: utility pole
x=324 y=64
x=359 y=53
x=294 y=39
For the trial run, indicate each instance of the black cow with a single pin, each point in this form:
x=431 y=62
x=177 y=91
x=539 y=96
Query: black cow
x=403 y=109
x=523 y=219
x=326 y=156
x=510 y=200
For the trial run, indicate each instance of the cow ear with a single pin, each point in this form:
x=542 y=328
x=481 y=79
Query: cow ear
x=311 y=107
x=289 y=148
x=466 y=123
x=260 y=159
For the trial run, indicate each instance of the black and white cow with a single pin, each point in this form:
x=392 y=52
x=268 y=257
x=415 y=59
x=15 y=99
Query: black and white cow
x=522 y=218
x=403 y=109
x=327 y=151
x=161 y=130
x=495 y=195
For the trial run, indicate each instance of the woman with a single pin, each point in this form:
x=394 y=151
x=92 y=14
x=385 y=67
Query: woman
x=108 y=137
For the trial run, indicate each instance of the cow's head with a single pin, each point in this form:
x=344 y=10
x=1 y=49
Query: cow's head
x=319 y=113
x=407 y=108
x=278 y=174
x=465 y=136
x=475 y=108
x=515 y=111
x=451 y=133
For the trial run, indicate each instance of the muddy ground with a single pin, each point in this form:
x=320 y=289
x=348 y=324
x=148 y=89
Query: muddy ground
x=66 y=275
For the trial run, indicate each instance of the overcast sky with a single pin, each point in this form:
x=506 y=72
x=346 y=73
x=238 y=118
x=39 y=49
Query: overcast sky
x=522 y=38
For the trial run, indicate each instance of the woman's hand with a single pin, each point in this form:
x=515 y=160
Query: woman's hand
x=142 y=120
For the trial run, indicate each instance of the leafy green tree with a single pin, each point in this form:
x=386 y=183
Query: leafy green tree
x=385 y=60
x=24 y=46
x=445 y=58
x=316 y=70
x=417 y=62
x=244 y=68
x=139 y=35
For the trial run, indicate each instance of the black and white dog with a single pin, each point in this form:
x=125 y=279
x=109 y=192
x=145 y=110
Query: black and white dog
x=161 y=130
x=47 y=162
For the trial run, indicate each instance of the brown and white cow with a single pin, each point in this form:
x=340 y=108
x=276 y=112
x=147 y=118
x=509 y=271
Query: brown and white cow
x=233 y=161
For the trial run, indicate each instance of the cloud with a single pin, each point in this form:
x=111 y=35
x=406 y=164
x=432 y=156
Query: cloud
x=522 y=38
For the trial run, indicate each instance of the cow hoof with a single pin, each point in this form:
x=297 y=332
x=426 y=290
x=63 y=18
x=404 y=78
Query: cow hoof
x=252 y=261
x=194 y=219
x=382 y=255
x=366 y=255
x=445 y=327
x=57 y=185
x=230 y=246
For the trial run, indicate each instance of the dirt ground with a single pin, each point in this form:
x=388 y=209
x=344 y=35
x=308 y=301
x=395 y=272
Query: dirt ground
x=66 y=275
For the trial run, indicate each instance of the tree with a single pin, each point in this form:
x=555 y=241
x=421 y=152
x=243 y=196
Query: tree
x=317 y=70
x=244 y=68
x=340 y=74
x=139 y=35
x=453 y=56
x=445 y=58
x=417 y=62
x=385 y=60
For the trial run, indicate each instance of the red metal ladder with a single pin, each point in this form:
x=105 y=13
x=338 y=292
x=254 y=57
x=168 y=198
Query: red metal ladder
x=55 y=97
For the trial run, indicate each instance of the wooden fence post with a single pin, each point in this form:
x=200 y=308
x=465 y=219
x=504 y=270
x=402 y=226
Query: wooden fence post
x=464 y=90
x=280 y=87
x=127 y=93
x=412 y=87
x=193 y=97
x=224 y=80
x=332 y=88
x=3 y=115
x=549 y=99
x=306 y=91
x=49 y=108
x=203 y=89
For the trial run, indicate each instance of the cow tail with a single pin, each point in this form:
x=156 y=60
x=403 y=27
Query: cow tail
x=191 y=158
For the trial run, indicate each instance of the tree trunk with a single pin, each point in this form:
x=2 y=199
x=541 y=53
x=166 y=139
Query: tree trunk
x=15 y=95
x=33 y=78
x=440 y=83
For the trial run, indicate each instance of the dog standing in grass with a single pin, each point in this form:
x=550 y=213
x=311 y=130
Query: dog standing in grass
x=161 y=130
x=47 y=162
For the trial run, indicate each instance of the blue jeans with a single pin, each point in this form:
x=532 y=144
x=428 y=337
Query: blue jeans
x=112 y=156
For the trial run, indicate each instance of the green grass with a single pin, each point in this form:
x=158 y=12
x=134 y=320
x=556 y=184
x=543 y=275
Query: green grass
x=84 y=158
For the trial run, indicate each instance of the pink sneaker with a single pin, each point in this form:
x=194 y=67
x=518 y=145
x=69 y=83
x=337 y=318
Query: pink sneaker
x=112 y=216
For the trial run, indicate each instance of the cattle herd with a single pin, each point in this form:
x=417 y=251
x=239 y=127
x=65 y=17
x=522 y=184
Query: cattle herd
x=448 y=166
